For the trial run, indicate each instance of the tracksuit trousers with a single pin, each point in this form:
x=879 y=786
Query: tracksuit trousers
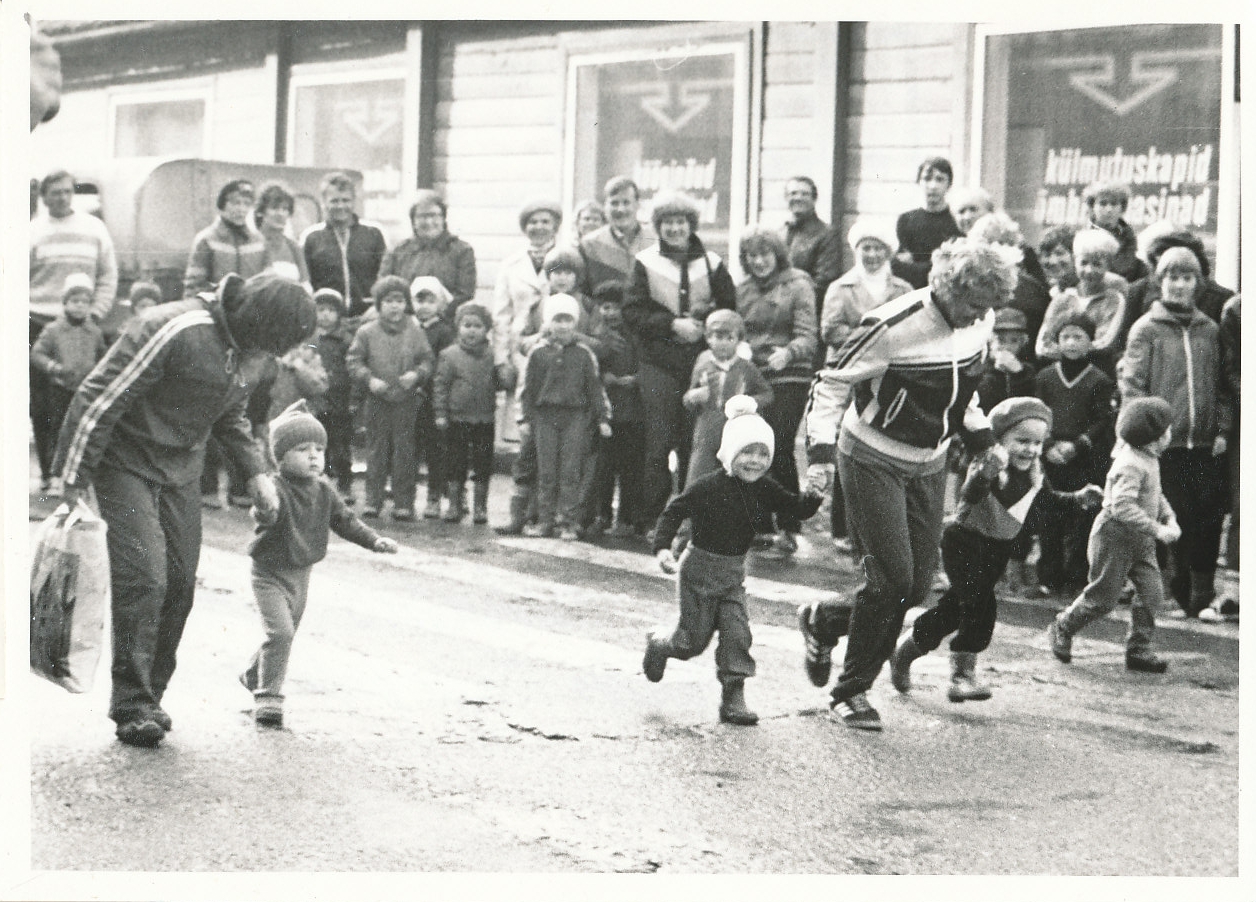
x=280 y=594
x=712 y=594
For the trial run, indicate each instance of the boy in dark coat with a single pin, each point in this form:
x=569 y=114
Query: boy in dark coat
x=335 y=412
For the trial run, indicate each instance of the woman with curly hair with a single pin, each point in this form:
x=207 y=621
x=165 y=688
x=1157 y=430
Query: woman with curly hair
x=903 y=384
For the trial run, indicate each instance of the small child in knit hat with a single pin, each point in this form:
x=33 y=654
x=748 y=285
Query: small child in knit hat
x=722 y=508
x=1004 y=497
x=288 y=542
x=1135 y=516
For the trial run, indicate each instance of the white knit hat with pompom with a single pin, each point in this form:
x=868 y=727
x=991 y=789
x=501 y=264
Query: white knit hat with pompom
x=744 y=427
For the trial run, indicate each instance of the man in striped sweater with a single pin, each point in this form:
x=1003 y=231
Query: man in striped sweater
x=905 y=381
x=136 y=430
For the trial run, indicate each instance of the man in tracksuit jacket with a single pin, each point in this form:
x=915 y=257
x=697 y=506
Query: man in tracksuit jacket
x=911 y=368
x=137 y=429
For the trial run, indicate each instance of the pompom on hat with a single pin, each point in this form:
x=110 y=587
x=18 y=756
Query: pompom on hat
x=557 y=305
x=1143 y=420
x=295 y=426
x=1008 y=413
x=744 y=428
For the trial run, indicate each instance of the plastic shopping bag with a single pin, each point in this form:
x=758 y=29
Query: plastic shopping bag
x=69 y=596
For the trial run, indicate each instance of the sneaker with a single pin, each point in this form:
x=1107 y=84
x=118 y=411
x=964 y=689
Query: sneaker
x=143 y=732
x=857 y=712
x=268 y=716
x=1061 y=644
x=1145 y=662
x=404 y=515
x=818 y=656
x=1228 y=608
x=1211 y=615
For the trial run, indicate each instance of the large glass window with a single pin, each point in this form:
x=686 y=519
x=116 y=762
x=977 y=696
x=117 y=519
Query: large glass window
x=155 y=128
x=1139 y=104
x=667 y=120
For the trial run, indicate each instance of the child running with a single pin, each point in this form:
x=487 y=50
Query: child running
x=289 y=542
x=1004 y=497
x=722 y=508
x=1134 y=517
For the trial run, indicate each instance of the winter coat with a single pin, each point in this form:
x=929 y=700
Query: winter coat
x=67 y=351
x=309 y=509
x=221 y=248
x=464 y=389
x=608 y=258
x=563 y=376
x=847 y=302
x=516 y=308
x=388 y=352
x=780 y=313
x=741 y=377
x=446 y=257
x=1182 y=364
x=1082 y=412
x=815 y=249
x=284 y=257
x=1010 y=504
x=1105 y=311
x=619 y=354
x=920 y=233
x=333 y=348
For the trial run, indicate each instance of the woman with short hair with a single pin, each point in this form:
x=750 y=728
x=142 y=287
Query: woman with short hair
x=275 y=206
x=433 y=251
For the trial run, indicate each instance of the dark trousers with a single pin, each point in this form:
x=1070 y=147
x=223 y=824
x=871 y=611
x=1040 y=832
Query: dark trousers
x=895 y=520
x=666 y=430
x=40 y=385
x=339 y=426
x=215 y=461
x=429 y=446
x=1233 y=458
x=154 y=540
x=973 y=564
x=711 y=592
x=390 y=452
x=562 y=436
x=621 y=464
x=55 y=401
x=467 y=447
x=837 y=510
x=1194 y=482
x=783 y=415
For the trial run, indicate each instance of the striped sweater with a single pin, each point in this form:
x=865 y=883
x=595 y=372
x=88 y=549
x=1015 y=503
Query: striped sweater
x=913 y=379
x=75 y=243
x=220 y=249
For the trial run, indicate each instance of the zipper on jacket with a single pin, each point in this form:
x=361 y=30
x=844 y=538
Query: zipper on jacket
x=1190 y=388
x=946 y=414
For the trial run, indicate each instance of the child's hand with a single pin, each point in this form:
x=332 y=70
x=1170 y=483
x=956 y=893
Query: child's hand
x=667 y=561
x=408 y=380
x=525 y=430
x=999 y=453
x=385 y=545
x=1091 y=496
x=377 y=386
x=904 y=257
x=442 y=423
x=604 y=429
x=263 y=517
x=819 y=478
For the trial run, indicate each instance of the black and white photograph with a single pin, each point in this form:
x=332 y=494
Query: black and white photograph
x=523 y=453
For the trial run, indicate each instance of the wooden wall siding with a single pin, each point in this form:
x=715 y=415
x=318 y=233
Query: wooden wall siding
x=907 y=93
x=499 y=138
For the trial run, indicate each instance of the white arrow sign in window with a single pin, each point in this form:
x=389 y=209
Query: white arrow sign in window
x=1151 y=71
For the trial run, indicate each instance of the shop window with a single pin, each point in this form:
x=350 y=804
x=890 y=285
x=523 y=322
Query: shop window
x=1139 y=104
x=668 y=119
x=173 y=127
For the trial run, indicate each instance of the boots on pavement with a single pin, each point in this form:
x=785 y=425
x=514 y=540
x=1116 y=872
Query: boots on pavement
x=964 y=684
x=733 y=704
x=480 y=503
x=900 y=663
x=457 y=494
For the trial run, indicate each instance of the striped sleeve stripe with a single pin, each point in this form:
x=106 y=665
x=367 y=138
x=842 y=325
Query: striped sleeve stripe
x=122 y=382
x=874 y=331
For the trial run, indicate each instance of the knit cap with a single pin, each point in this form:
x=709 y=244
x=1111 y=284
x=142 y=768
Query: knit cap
x=77 y=281
x=330 y=297
x=744 y=427
x=1175 y=257
x=475 y=311
x=1007 y=414
x=1143 y=420
x=1009 y=319
x=558 y=304
x=540 y=206
x=868 y=227
x=563 y=257
x=432 y=286
x=141 y=290
x=1078 y=320
x=387 y=285
x=293 y=427
x=266 y=312
x=725 y=320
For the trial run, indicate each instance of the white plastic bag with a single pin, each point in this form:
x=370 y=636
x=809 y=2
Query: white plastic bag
x=69 y=596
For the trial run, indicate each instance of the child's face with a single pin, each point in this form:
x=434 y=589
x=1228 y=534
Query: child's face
x=752 y=462
x=425 y=305
x=722 y=342
x=326 y=317
x=611 y=314
x=392 y=309
x=1074 y=343
x=1156 y=448
x=562 y=281
x=1107 y=211
x=1091 y=269
x=471 y=330
x=1012 y=341
x=77 y=306
x=1177 y=288
x=935 y=184
x=303 y=461
x=144 y=303
x=967 y=212
x=1057 y=263
x=1023 y=443
x=872 y=254
x=562 y=328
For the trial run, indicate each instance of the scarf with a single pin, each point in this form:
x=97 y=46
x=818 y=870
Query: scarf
x=537 y=255
x=877 y=284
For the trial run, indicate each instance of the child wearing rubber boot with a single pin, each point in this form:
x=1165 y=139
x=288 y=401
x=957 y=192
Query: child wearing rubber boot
x=1135 y=515
x=290 y=540
x=1005 y=497
x=722 y=508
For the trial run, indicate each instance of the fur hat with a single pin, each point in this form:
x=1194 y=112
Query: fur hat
x=557 y=305
x=540 y=206
x=387 y=285
x=744 y=427
x=867 y=227
x=478 y=311
x=670 y=202
x=432 y=286
x=1007 y=414
x=77 y=281
x=1143 y=420
x=267 y=312
x=1009 y=319
x=1078 y=320
x=295 y=426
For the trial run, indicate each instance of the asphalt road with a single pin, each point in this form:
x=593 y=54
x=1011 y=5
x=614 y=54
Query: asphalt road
x=475 y=704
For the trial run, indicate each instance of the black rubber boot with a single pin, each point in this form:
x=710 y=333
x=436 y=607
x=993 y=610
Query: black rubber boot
x=655 y=660
x=733 y=704
x=457 y=494
x=900 y=663
x=964 y=685
x=480 y=509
